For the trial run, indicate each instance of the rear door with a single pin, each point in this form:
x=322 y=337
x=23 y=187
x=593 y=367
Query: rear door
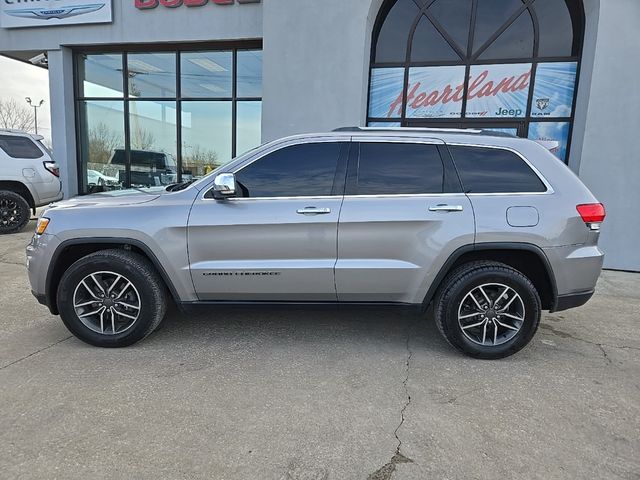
x=403 y=214
x=277 y=240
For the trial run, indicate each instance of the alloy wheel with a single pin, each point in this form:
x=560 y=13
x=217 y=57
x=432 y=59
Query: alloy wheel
x=9 y=213
x=491 y=314
x=107 y=302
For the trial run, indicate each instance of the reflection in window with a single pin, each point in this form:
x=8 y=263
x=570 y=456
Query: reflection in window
x=171 y=135
x=299 y=170
x=153 y=143
x=101 y=141
x=490 y=16
x=393 y=37
x=152 y=74
x=428 y=44
x=101 y=74
x=249 y=73
x=206 y=74
x=248 y=130
x=554 y=136
x=206 y=137
x=515 y=42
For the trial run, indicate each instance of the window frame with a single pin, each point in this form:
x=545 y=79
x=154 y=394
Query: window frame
x=177 y=49
x=549 y=188
x=469 y=59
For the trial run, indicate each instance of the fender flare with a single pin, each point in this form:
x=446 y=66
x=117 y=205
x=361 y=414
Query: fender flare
x=120 y=241
x=453 y=258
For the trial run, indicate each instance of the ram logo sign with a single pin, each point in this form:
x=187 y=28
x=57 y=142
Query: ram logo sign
x=44 y=13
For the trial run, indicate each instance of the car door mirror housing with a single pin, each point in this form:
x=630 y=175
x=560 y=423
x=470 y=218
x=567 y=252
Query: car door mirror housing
x=224 y=186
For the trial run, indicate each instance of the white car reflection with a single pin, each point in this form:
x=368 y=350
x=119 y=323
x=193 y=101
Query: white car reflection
x=96 y=178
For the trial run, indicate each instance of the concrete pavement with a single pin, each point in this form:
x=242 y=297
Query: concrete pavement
x=300 y=394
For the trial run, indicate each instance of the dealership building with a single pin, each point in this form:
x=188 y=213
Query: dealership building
x=146 y=92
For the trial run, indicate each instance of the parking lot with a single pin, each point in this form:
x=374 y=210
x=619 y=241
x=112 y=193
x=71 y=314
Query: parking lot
x=317 y=394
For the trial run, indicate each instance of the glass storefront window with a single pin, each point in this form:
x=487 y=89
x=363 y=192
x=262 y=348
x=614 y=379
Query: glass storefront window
x=102 y=142
x=162 y=129
x=152 y=74
x=206 y=137
x=505 y=64
x=153 y=137
x=249 y=73
x=101 y=75
x=248 y=134
x=206 y=74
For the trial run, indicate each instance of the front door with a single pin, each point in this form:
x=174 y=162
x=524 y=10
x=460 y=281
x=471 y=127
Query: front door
x=404 y=213
x=276 y=240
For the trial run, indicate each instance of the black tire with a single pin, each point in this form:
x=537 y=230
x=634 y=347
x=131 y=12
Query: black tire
x=463 y=280
x=14 y=212
x=147 y=285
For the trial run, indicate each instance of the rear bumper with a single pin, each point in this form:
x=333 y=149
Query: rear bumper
x=565 y=302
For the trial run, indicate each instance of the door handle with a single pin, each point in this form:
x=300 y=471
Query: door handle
x=313 y=211
x=446 y=208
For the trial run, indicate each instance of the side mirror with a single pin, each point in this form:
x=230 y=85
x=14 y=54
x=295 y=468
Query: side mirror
x=224 y=185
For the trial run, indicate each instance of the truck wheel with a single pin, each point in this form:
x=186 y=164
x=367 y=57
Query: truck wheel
x=14 y=212
x=487 y=309
x=111 y=298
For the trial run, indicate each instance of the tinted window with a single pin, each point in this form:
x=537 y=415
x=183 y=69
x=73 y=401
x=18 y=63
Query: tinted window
x=298 y=170
x=19 y=147
x=399 y=168
x=491 y=170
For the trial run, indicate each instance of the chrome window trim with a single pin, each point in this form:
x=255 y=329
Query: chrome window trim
x=541 y=177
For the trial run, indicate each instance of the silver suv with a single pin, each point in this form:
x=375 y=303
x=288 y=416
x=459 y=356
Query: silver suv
x=488 y=229
x=29 y=178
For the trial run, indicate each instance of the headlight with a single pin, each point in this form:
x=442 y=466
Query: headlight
x=42 y=225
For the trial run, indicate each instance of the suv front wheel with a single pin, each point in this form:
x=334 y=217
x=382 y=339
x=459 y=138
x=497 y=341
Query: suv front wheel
x=111 y=298
x=487 y=309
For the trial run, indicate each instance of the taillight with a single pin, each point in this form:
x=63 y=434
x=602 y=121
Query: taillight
x=592 y=214
x=52 y=167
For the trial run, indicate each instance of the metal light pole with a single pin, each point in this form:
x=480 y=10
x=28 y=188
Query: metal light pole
x=35 y=110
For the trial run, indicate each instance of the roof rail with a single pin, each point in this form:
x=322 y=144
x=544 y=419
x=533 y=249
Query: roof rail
x=468 y=131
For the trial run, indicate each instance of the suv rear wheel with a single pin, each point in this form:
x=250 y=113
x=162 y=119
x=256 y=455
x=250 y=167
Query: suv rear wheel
x=487 y=310
x=111 y=298
x=14 y=212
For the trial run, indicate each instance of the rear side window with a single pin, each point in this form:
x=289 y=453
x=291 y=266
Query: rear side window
x=19 y=147
x=301 y=170
x=399 y=168
x=494 y=170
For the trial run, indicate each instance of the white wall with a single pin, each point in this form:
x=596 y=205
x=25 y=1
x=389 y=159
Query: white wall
x=609 y=162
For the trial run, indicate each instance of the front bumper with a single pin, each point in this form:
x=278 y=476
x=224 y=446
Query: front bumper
x=39 y=253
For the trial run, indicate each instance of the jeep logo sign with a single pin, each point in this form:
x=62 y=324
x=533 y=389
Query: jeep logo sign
x=148 y=4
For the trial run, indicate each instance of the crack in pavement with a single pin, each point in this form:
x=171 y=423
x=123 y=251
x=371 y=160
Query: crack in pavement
x=601 y=346
x=385 y=472
x=35 y=353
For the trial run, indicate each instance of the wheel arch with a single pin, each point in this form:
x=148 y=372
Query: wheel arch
x=527 y=258
x=69 y=251
x=19 y=188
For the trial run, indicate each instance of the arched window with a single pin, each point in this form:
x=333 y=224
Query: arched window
x=508 y=65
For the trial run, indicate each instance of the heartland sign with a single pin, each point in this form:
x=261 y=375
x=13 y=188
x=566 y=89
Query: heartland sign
x=149 y=4
x=438 y=92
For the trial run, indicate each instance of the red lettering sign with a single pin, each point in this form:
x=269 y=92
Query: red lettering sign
x=479 y=87
x=149 y=4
